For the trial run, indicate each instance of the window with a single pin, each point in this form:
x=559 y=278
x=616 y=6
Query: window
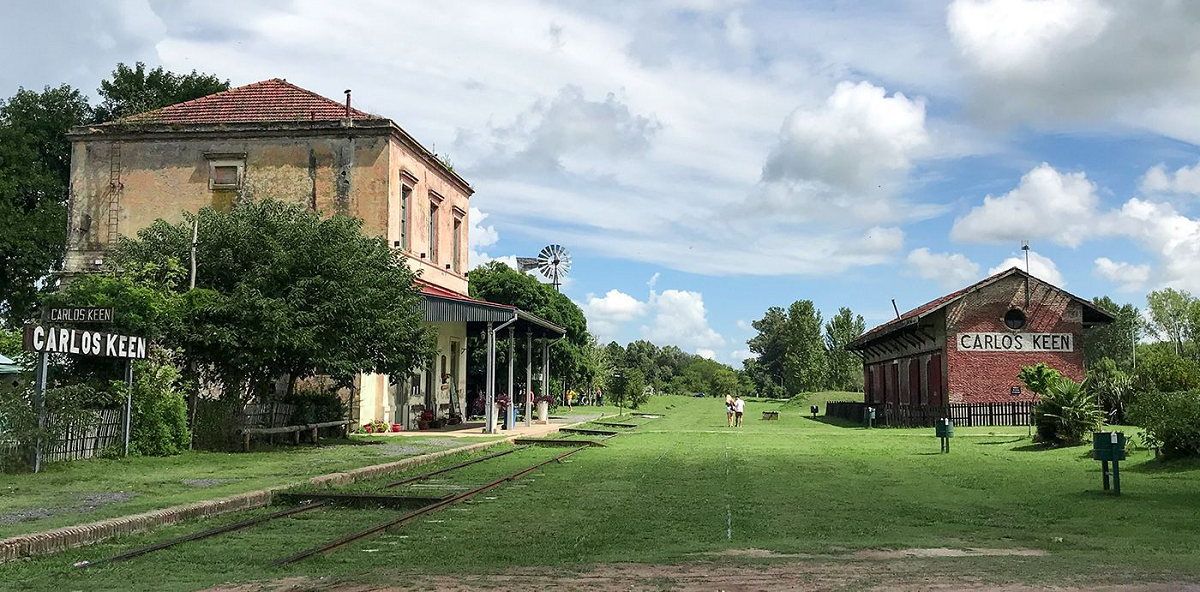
x=433 y=237
x=405 y=195
x=457 y=256
x=224 y=175
x=1014 y=319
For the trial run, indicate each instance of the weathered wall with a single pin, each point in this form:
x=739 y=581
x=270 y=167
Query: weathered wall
x=164 y=178
x=403 y=159
x=978 y=376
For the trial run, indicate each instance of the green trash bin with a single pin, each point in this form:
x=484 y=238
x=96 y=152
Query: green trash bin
x=1108 y=445
x=944 y=428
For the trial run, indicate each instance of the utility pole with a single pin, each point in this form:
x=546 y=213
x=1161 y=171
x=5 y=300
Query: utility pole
x=195 y=232
x=1025 y=247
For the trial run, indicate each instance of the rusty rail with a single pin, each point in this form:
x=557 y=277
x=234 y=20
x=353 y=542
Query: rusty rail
x=343 y=541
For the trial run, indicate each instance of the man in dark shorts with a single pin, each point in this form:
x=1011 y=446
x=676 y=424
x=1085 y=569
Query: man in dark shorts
x=739 y=407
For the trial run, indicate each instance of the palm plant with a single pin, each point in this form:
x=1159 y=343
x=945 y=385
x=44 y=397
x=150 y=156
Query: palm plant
x=1066 y=414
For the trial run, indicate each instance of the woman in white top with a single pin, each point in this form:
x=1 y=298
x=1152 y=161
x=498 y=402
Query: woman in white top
x=729 y=410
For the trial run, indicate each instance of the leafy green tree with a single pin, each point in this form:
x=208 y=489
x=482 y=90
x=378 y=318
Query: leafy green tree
x=497 y=282
x=1170 y=315
x=1116 y=340
x=35 y=171
x=137 y=90
x=1159 y=368
x=279 y=292
x=804 y=363
x=845 y=368
x=764 y=383
x=628 y=388
x=770 y=345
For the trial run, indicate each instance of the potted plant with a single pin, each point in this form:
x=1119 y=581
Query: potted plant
x=368 y=428
x=380 y=427
x=425 y=419
x=397 y=427
x=543 y=407
x=455 y=418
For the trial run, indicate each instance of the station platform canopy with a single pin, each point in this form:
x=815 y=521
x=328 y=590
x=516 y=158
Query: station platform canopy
x=444 y=306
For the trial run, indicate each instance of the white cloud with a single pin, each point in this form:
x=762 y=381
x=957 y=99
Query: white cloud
x=1040 y=267
x=1046 y=204
x=859 y=138
x=680 y=318
x=606 y=314
x=1128 y=276
x=1173 y=237
x=480 y=237
x=951 y=270
x=706 y=353
x=1183 y=180
x=738 y=355
x=1054 y=62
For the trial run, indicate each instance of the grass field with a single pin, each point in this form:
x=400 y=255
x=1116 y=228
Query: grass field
x=791 y=502
x=68 y=493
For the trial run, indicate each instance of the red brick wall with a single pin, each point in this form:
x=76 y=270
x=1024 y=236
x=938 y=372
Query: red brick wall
x=980 y=377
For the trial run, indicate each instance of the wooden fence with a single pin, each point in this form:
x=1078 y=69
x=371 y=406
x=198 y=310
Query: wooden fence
x=269 y=415
x=1016 y=413
x=85 y=436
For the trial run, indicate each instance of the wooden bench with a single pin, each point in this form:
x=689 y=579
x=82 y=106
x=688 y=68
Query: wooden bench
x=295 y=430
x=770 y=415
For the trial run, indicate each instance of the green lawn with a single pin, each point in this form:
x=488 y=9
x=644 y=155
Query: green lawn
x=684 y=489
x=67 y=493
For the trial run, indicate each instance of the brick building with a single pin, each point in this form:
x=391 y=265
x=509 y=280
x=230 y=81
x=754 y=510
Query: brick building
x=970 y=345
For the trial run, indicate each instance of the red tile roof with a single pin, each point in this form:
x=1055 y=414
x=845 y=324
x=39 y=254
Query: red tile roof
x=270 y=100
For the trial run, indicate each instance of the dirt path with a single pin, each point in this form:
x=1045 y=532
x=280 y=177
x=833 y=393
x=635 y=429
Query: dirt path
x=904 y=575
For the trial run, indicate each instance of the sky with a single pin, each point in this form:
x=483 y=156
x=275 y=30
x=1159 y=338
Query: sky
x=703 y=160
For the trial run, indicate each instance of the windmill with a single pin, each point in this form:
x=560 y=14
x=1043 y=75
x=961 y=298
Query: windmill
x=553 y=262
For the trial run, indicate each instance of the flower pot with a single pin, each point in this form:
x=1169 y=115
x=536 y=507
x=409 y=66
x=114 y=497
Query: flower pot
x=543 y=412
x=397 y=427
x=370 y=429
x=422 y=425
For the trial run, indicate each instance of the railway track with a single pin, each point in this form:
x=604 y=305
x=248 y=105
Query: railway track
x=576 y=445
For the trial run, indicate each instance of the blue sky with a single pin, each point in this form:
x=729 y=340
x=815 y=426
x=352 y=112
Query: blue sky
x=706 y=159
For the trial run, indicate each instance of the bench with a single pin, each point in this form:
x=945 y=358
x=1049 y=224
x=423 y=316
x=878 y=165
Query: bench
x=770 y=415
x=295 y=430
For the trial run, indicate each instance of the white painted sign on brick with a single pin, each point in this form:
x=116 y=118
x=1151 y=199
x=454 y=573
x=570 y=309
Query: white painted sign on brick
x=1016 y=342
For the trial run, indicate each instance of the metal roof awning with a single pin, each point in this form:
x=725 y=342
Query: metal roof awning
x=441 y=306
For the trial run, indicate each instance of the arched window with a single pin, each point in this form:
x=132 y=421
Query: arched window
x=1014 y=319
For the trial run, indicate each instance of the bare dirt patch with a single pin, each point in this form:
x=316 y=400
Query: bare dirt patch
x=917 y=574
x=946 y=552
x=87 y=503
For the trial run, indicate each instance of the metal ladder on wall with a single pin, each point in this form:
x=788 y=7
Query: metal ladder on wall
x=115 y=188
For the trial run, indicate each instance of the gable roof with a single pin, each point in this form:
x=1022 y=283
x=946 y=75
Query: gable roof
x=913 y=316
x=269 y=100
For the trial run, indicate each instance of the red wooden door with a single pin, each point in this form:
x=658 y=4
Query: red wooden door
x=933 y=376
x=914 y=381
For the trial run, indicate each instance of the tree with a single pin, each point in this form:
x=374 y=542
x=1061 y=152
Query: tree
x=279 y=292
x=1169 y=315
x=1116 y=340
x=34 y=175
x=1112 y=388
x=497 y=282
x=1039 y=378
x=628 y=388
x=770 y=345
x=845 y=368
x=804 y=363
x=136 y=90
x=1159 y=368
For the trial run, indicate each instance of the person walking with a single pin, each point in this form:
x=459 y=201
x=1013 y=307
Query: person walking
x=729 y=410
x=739 y=407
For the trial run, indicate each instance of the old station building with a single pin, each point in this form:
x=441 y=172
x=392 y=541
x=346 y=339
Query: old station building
x=969 y=346
x=273 y=139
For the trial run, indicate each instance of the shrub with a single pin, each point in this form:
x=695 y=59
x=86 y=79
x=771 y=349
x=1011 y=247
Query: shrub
x=1066 y=414
x=1112 y=388
x=1163 y=370
x=1039 y=378
x=1171 y=420
x=316 y=405
x=158 y=425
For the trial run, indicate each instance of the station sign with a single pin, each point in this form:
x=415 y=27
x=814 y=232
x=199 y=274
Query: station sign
x=58 y=340
x=78 y=314
x=1016 y=342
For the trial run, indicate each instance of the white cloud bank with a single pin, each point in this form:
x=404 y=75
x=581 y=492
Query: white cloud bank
x=1040 y=267
x=1046 y=204
x=1129 y=277
x=951 y=270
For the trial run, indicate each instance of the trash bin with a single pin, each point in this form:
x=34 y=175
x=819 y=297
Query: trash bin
x=944 y=428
